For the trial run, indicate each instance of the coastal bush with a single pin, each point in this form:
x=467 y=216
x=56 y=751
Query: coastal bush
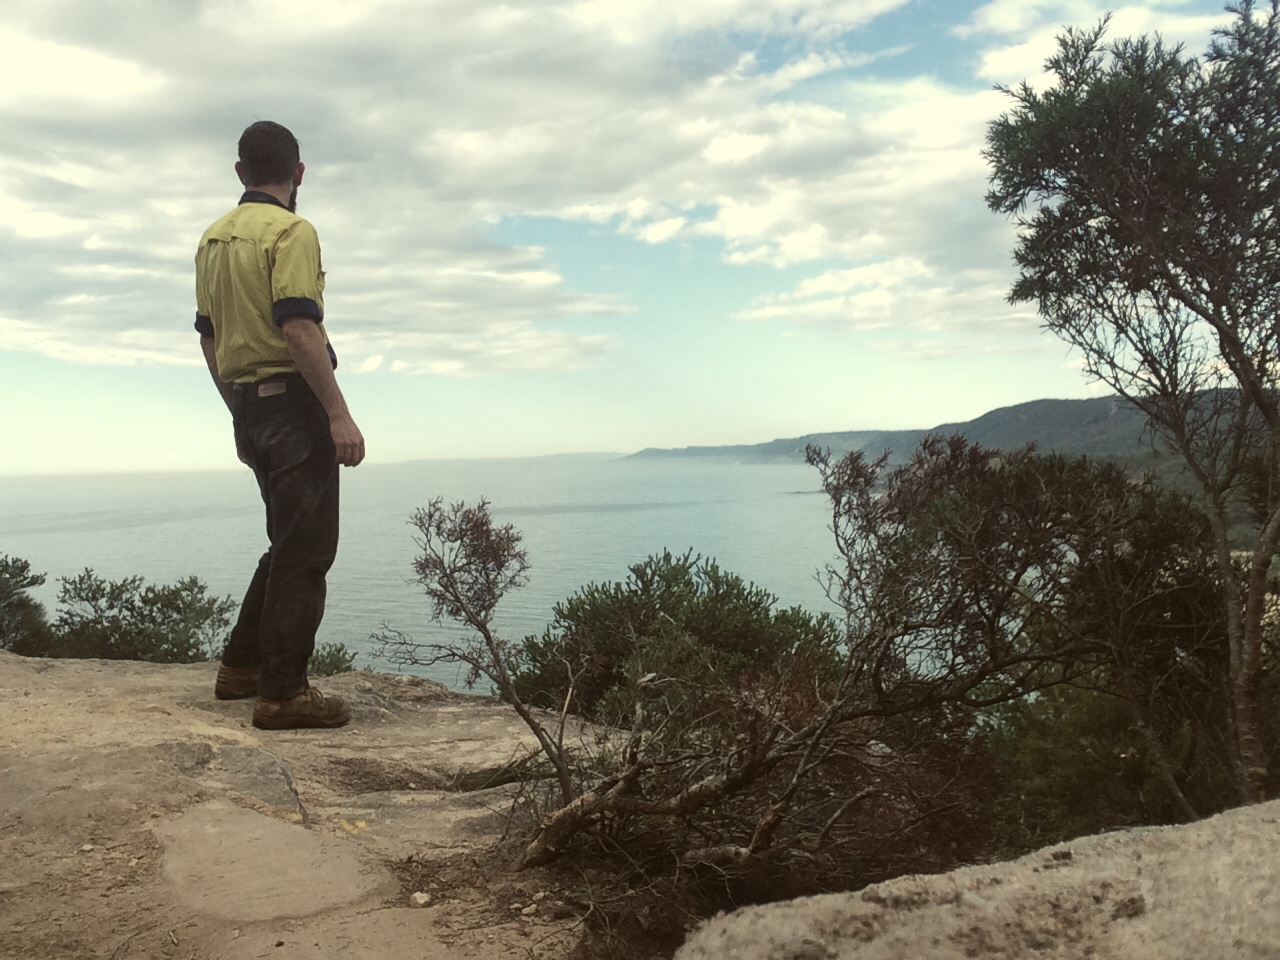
x=331 y=659
x=673 y=616
x=989 y=576
x=1068 y=762
x=1029 y=646
x=24 y=626
x=130 y=619
x=112 y=619
x=760 y=768
x=1067 y=602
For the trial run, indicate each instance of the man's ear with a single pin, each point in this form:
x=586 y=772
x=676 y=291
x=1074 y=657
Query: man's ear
x=240 y=171
x=298 y=171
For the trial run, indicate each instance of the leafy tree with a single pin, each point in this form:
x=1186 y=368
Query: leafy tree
x=1152 y=245
x=979 y=577
x=131 y=620
x=949 y=575
x=24 y=628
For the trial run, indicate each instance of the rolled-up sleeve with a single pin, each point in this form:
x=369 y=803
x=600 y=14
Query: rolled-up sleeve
x=204 y=311
x=297 y=279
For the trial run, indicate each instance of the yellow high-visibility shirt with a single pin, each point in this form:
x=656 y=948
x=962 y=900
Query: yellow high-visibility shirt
x=255 y=267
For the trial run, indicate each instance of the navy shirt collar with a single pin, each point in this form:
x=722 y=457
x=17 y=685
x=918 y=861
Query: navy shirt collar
x=257 y=196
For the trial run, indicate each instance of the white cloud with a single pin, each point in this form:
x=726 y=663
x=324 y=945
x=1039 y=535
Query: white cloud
x=250 y=20
x=638 y=21
x=495 y=348
x=424 y=125
x=734 y=147
x=34 y=73
x=1010 y=17
x=1027 y=30
x=129 y=347
x=891 y=273
x=661 y=231
x=915 y=312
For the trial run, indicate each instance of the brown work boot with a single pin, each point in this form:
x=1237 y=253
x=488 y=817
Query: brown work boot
x=235 y=683
x=311 y=708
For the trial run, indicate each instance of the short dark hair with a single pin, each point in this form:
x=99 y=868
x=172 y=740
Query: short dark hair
x=268 y=153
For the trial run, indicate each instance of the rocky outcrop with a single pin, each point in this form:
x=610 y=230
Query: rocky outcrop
x=140 y=817
x=1205 y=890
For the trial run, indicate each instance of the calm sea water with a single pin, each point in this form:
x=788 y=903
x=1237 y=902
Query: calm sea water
x=584 y=519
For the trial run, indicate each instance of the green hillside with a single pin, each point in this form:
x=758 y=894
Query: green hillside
x=1104 y=427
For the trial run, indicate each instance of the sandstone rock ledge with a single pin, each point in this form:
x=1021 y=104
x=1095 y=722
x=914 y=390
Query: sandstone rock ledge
x=141 y=818
x=1204 y=891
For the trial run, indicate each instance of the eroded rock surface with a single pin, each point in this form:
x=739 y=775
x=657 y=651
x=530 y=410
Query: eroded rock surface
x=243 y=866
x=141 y=817
x=1205 y=890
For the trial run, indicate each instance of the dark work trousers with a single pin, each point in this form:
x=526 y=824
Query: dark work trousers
x=283 y=431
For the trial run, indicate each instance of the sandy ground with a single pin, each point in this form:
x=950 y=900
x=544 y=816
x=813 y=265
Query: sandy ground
x=142 y=818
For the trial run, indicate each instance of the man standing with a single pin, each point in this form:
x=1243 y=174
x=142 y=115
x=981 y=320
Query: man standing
x=259 y=312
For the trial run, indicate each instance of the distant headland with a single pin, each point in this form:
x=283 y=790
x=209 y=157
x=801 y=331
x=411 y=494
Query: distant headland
x=1099 y=427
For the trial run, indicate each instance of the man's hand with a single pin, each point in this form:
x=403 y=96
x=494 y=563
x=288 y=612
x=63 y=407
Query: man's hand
x=347 y=440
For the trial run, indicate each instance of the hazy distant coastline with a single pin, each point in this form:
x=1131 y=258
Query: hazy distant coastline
x=1099 y=427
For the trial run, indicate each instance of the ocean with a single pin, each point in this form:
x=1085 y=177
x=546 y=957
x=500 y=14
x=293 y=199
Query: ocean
x=583 y=519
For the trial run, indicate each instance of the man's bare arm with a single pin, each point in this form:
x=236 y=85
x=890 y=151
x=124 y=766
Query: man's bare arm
x=307 y=350
x=224 y=389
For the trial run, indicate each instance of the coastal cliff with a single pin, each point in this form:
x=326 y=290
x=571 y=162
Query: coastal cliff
x=142 y=818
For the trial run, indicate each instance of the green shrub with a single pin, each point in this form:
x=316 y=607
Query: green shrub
x=1069 y=762
x=131 y=620
x=24 y=628
x=676 y=616
x=126 y=620
x=112 y=619
x=331 y=659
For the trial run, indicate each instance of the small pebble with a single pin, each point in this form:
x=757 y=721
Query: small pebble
x=420 y=899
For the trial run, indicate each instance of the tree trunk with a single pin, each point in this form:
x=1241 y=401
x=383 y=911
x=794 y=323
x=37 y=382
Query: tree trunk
x=1253 y=755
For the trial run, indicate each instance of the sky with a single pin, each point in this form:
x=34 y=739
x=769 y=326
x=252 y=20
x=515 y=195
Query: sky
x=548 y=226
